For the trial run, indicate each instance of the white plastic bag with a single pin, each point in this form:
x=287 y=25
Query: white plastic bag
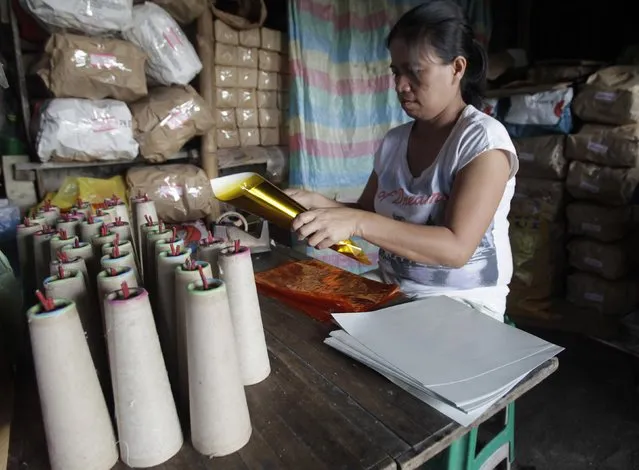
x=544 y=108
x=172 y=58
x=92 y=17
x=85 y=130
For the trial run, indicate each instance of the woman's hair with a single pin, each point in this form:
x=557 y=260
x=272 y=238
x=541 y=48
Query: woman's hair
x=442 y=25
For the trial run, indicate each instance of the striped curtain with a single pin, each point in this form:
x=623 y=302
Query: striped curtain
x=342 y=96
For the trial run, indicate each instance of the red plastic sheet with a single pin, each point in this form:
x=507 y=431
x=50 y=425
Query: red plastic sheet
x=319 y=289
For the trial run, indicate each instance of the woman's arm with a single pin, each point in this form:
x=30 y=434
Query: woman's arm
x=475 y=197
x=312 y=200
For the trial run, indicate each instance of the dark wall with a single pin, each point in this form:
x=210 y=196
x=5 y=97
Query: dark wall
x=568 y=28
x=276 y=17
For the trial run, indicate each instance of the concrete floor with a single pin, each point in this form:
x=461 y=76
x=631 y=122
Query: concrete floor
x=585 y=416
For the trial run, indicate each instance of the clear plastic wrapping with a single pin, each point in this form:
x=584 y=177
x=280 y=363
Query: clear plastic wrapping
x=247 y=57
x=269 y=136
x=267 y=80
x=271 y=39
x=246 y=98
x=227 y=97
x=269 y=117
x=249 y=137
x=228 y=138
x=225 y=34
x=247 y=78
x=168 y=118
x=225 y=118
x=225 y=77
x=266 y=99
x=246 y=117
x=269 y=61
x=250 y=37
x=172 y=58
x=87 y=16
x=85 y=130
x=226 y=54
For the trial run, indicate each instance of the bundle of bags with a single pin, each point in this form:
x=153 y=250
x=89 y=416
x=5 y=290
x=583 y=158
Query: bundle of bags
x=121 y=85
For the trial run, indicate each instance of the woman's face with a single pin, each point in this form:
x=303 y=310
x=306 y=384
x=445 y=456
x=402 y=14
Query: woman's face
x=425 y=85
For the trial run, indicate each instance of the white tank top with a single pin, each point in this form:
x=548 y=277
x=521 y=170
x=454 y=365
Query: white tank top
x=484 y=279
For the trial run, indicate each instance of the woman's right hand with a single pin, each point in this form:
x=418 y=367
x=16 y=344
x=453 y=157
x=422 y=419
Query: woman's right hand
x=310 y=200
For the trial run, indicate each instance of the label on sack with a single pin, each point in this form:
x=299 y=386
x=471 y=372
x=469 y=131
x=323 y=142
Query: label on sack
x=597 y=148
x=595 y=263
x=103 y=61
x=587 y=227
x=606 y=96
x=527 y=157
x=594 y=297
x=104 y=124
x=586 y=186
x=176 y=119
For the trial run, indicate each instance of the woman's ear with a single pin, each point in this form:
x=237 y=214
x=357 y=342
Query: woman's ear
x=459 y=67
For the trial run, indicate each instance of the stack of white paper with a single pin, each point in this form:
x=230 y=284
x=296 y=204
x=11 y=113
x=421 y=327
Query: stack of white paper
x=442 y=351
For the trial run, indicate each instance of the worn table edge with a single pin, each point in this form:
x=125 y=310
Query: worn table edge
x=435 y=444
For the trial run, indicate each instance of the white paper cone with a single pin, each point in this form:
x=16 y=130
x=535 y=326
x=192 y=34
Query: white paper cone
x=74 y=264
x=166 y=314
x=24 y=236
x=184 y=277
x=111 y=280
x=142 y=244
x=74 y=288
x=50 y=216
x=122 y=211
x=210 y=252
x=42 y=254
x=98 y=241
x=38 y=220
x=124 y=260
x=140 y=210
x=76 y=420
x=89 y=230
x=236 y=270
x=124 y=246
x=123 y=230
x=150 y=259
x=70 y=226
x=84 y=250
x=220 y=422
x=148 y=427
x=57 y=243
x=84 y=209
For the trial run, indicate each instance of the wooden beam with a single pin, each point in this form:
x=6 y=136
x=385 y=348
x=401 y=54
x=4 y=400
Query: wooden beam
x=206 y=49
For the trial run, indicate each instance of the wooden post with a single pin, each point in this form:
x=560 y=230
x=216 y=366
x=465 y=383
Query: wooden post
x=206 y=44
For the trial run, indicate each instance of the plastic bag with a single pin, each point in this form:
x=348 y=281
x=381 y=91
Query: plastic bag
x=88 y=16
x=92 y=190
x=172 y=58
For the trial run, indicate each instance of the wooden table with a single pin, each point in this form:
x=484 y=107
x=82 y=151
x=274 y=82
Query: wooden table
x=318 y=409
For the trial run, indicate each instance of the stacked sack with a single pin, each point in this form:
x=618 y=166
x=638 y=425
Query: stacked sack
x=538 y=117
x=251 y=81
x=121 y=84
x=602 y=177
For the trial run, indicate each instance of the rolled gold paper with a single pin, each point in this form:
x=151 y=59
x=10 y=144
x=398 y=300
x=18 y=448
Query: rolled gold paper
x=252 y=193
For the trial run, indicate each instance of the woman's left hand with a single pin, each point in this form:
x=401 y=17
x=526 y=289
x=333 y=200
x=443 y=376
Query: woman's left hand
x=322 y=228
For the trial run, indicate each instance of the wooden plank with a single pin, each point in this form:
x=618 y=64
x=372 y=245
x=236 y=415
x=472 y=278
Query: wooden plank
x=436 y=443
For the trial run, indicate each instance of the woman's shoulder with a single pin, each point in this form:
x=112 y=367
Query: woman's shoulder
x=482 y=129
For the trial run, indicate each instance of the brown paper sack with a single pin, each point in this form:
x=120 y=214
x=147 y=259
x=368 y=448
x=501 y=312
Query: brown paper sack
x=94 y=68
x=604 y=223
x=605 y=145
x=539 y=261
x=610 y=96
x=604 y=296
x=167 y=119
x=240 y=14
x=538 y=198
x=614 y=186
x=181 y=192
x=608 y=260
x=184 y=11
x=542 y=157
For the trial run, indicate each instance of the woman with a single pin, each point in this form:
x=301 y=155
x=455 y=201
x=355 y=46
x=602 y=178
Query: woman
x=438 y=198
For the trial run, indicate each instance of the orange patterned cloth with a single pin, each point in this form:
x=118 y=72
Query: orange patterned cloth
x=319 y=289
